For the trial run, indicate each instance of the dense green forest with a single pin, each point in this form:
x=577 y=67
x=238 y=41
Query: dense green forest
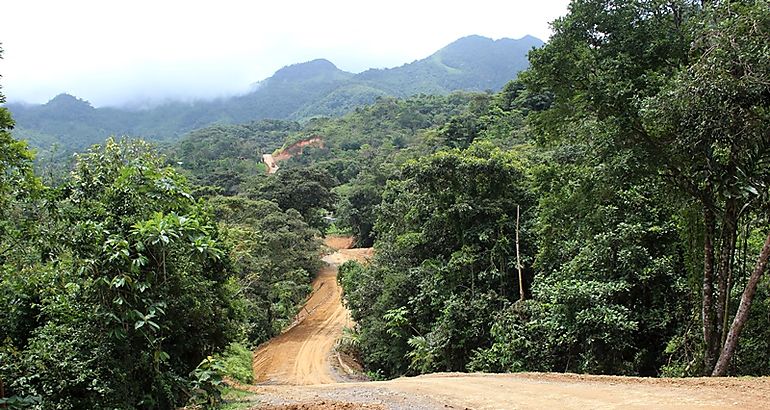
x=621 y=229
x=606 y=212
x=121 y=290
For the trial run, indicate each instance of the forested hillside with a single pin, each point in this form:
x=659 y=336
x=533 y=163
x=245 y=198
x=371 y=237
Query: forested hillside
x=605 y=212
x=565 y=223
x=296 y=92
x=626 y=233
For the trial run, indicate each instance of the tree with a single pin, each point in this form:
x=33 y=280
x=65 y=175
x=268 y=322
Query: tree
x=445 y=260
x=128 y=292
x=308 y=190
x=681 y=85
x=17 y=186
x=358 y=209
x=17 y=180
x=711 y=122
x=609 y=290
x=273 y=254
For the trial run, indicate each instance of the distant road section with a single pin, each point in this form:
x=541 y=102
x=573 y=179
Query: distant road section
x=269 y=161
x=292 y=150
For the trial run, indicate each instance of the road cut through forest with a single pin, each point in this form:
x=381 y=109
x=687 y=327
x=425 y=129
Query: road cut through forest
x=301 y=354
x=300 y=370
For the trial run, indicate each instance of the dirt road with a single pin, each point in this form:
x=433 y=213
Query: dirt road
x=302 y=354
x=270 y=163
x=294 y=371
x=524 y=391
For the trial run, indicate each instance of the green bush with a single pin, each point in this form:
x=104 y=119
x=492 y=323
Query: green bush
x=236 y=363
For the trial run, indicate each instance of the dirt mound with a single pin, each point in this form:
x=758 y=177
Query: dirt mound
x=339 y=242
x=298 y=147
x=344 y=251
x=362 y=255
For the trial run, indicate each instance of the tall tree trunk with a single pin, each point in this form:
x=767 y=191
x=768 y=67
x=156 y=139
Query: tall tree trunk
x=518 y=257
x=708 y=290
x=743 y=311
x=726 y=254
x=726 y=309
x=728 y=235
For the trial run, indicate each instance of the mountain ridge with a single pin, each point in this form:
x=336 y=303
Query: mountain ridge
x=300 y=91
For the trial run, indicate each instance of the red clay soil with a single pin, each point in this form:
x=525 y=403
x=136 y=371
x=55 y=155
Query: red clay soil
x=297 y=148
x=339 y=242
x=271 y=161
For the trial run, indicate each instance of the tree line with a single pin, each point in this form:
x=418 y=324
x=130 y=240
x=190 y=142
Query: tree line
x=636 y=149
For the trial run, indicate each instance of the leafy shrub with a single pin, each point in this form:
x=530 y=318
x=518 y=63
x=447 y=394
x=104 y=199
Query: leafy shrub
x=236 y=362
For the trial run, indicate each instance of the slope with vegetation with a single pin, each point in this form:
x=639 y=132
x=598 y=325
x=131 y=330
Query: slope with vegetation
x=642 y=181
x=122 y=290
x=224 y=156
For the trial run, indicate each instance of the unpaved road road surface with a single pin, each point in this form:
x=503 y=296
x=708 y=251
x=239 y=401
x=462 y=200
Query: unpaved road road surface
x=295 y=371
x=301 y=355
x=525 y=391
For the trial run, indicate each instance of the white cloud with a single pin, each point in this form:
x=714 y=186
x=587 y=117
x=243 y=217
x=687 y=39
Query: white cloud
x=111 y=52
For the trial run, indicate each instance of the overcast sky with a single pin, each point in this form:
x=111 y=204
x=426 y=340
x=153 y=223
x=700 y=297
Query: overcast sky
x=113 y=52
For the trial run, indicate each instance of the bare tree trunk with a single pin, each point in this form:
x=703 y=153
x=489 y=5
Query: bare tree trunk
x=708 y=290
x=726 y=254
x=518 y=257
x=743 y=311
x=726 y=310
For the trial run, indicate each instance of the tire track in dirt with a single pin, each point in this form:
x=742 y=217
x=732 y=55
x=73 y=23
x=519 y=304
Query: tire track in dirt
x=301 y=355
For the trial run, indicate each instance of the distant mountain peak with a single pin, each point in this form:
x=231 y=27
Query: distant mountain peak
x=478 y=42
x=65 y=99
x=320 y=67
x=472 y=39
x=531 y=39
x=317 y=64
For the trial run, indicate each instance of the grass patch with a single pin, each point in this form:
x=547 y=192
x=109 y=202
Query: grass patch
x=335 y=230
x=236 y=361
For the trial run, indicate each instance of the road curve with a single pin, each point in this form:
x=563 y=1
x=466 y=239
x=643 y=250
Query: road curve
x=301 y=355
